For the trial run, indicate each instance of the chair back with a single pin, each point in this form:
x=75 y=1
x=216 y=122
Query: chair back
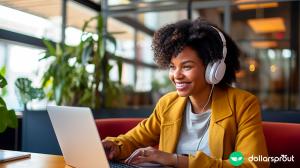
x=115 y=126
x=283 y=139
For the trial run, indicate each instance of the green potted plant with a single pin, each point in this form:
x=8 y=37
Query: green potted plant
x=8 y=117
x=68 y=81
x=26 y=92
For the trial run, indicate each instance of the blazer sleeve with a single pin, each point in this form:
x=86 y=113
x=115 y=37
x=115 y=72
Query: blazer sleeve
x=249 y=139
x=146 y=133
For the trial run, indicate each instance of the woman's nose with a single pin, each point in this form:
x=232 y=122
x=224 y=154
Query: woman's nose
x=178 y=74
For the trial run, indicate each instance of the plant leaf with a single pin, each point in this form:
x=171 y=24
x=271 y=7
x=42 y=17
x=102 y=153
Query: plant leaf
x=27 y=92
x=3 y=71
x=50 y=48
x=3 y=119
x=3 y=81
x=12 y=120
x=2 y=103
x=120 y=69
x=87 y=50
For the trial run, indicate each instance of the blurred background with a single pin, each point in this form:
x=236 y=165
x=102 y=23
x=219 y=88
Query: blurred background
x=97 y=53
x=267 y=32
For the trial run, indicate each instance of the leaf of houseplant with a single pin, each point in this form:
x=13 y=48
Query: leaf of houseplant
x=70 y=83
x=27 y=92
x=2 y=103
x=51 y=51
x=87 y=50
x=12 y=119
x=6 y=117
x=86 y=23
x=58 y=92
x=3 y=71
x=3 y=82
x=3 y=123
x=37 y=93
x=24 y=85
x=3 y=91
x=120 y=69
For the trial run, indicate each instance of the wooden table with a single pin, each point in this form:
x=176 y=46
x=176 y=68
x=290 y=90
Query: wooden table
x=37 y=160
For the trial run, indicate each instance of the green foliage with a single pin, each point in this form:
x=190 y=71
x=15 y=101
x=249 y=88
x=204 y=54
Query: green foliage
x=3 y=72
x=162 y=86
x=69 y=82
x=26 y=92
x=7 y=117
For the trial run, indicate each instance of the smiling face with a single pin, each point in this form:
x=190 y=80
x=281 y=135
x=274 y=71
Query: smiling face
x=187 y=72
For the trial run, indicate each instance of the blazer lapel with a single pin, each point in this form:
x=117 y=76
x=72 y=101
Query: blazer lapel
x=220 y=110
x=171 y=127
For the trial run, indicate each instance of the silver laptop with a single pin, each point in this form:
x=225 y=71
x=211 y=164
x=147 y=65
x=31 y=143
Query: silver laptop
x=79 y=140
x=78 y=137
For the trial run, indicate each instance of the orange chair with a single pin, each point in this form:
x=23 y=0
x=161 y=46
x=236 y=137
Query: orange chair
x=281 y=138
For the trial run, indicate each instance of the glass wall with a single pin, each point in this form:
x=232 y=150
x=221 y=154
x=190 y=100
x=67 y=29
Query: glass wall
x=269 y=60
x=20 y=60
x=77 y=15
x=262 y=32
x=33 y=18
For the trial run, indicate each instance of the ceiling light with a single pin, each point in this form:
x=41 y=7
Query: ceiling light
x=251 y=67
x=271 y=54
x=273 y=68
x=264 y=44
x=267 y=25
x=257 y=6
x=286 y=53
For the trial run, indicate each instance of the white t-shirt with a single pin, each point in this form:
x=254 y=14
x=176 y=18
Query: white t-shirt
x=194 y=132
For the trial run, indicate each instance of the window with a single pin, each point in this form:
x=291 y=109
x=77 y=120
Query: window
x=124 y=36
x=268 y=62
x=144 y=79
x=37 y=19
x=21 y=61
x=77 y=15
x=144 y=51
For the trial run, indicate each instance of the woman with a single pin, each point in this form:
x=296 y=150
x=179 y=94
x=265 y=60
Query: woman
x=206 y=119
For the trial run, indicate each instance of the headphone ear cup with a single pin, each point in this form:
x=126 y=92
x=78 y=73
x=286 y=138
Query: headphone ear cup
x=208 y=76
x=220 y=72
x=215 y=72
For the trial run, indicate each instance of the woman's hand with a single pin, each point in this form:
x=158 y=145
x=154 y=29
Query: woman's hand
x=112 y=150
x=151 y=155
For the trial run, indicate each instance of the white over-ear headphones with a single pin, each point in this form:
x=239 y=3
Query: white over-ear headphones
x=215 y=70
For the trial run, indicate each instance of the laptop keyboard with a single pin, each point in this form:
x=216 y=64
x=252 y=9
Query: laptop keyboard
x=114 y=164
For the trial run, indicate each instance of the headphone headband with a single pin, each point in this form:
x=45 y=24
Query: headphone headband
x=215 y=70
x=223 y=41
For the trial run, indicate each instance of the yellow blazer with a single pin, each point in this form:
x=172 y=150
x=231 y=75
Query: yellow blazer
x=235 y=126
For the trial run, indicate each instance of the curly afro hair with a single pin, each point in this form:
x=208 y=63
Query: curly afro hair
x=199 y=35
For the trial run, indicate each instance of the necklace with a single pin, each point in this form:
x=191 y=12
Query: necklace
x=208 y=120
x=205 y=130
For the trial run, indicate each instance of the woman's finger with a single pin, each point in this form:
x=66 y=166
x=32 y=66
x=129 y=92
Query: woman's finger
x=138 y=153
x=141 y=159
x=132 y=156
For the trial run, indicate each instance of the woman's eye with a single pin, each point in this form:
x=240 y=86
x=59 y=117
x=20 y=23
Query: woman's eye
x=171 y=67
x=187 y=67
